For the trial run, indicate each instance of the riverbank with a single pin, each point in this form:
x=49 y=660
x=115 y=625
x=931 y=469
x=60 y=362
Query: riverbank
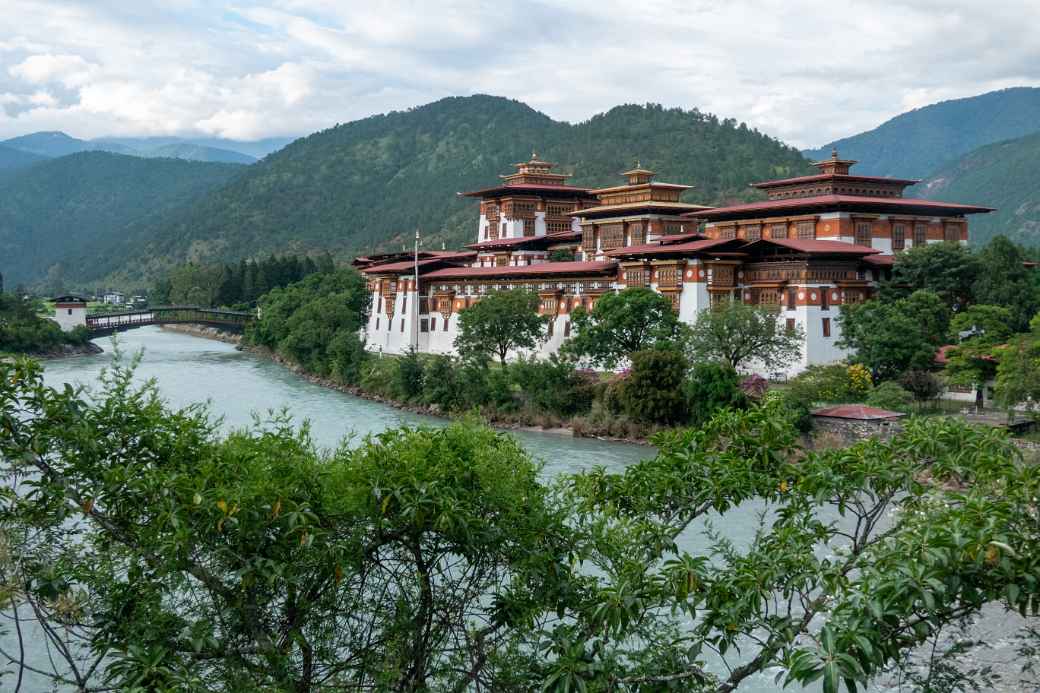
x=60 y=352
x=509 y=423
x=205 y=332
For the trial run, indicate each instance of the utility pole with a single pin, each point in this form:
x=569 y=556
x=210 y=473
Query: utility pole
x=416 y=303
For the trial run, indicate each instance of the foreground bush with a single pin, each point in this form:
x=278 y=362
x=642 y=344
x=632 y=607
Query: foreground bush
x=154 y=554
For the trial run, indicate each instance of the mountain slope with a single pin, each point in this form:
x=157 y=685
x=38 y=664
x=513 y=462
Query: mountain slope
x=196 y=152
x=368 y=184
x=65 y=211
x=13 y=159
x=256 y=149
x=918 y=143
x=1005 y=175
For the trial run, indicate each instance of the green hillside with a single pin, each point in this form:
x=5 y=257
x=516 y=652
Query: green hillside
x=196 y=152
x=13 y=160
x=367 y=185
x=57 y=215
x=1005 y=175
x=918 y=143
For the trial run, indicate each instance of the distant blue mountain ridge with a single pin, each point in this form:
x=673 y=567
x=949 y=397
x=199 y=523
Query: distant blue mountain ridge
x=49 y=145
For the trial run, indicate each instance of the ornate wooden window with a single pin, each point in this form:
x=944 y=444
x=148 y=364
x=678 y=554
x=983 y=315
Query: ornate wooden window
x=424 y=325
x=789 y=325
x=549 y=328
x=898 y=236
x=588 y=239
x=433 y=324
x=727 y=232
x=528 y=227
x=567 y=328
x=444 y=304
x=826 y=327
x=768 y=297
x=558 y=209
x=611 y=236
x=722 y=275
x=806 y=230
x=920 y=234
x=637 y=276
x=952 y=233
x=863 y=233
x=825 y=298
x=637 y=233
x=778 y=230
x=753 y=232
x=669 y=277
x=445 y=328
x=671 y=228
x=792 y=299
x=548 y=306
x=558 y=226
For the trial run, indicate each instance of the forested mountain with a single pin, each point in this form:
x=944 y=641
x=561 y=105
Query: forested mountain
x=196 y=152
x=14 y=159
x=918 y=143
x=56 y=144
x=367 y=185
x=1005 y=175
x=61 y=216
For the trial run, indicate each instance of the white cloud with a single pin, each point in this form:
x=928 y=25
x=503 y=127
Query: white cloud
x=804 y=71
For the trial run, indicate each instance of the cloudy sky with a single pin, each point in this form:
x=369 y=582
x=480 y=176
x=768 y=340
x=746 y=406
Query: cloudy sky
x=804 y=71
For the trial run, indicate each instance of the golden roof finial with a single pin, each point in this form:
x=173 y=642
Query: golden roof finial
x=834 y=153
x=534 y=155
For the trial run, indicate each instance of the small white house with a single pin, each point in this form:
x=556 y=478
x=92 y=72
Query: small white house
x=114 y=298
x=70 y=311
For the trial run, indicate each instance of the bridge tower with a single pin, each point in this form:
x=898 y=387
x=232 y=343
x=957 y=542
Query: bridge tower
x=70 y=311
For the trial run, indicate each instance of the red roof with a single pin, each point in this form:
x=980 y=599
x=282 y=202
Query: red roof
x=505 y=242
x=680 y=237
x=531 y=187
x=942 y=356
x=408 y=265
x=826 y=176
x=901 y=203
x=538 y=269
x=671 y=248
x=881 y=260
x=806 y=245
x=858 y=412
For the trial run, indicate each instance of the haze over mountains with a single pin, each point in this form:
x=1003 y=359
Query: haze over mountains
x=57 y=144
x=366 y=185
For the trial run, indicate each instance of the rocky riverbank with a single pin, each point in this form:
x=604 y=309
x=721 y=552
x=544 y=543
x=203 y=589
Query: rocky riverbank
x=64 y=351
x=206 y=332
x=429 y=410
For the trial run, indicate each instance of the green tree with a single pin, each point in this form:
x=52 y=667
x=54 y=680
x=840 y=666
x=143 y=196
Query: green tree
x=652 y=391
x=621 y=324
x=1003 y=280
x=709 y=388
x=972 y=362
x=194 y=561
x=947 y=269
x=890 y=337
x=736 y=334
x=1018 y=371
x=498 y=323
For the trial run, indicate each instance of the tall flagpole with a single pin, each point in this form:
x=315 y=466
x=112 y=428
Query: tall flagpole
x=416 y=304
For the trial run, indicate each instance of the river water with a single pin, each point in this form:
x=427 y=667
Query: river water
x=238 y=386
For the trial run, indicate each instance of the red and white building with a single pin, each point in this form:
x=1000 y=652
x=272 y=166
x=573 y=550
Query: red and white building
x=815 y=243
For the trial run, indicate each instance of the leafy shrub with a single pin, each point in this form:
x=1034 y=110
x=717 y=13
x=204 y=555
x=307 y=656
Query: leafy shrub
x=923 y=385
x=379 y=377
x=410 y=375
x=799 y=410
x=889 y=395
x=830 y=383
x=653 y=390
x=710 y=387
x=443 y=386
x=859 y=381
x=553 y=385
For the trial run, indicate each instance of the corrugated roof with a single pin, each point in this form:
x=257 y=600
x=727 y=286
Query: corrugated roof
x=408 y=265
x=675 y=207
x=859 y=412
x=671 y=248
x=535 y=187
x=805 y=245
x=827 y=176
x=541 y=268
x=832 y=200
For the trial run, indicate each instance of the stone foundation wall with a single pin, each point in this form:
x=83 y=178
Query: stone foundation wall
x=852 y=430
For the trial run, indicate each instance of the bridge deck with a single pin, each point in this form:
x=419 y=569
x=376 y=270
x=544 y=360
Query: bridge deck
x=163 y=315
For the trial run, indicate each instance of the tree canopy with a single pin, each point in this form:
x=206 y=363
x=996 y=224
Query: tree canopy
x=162 y=555
x=736 y=334
x=890 y=337
x=620 y=324
x=948 y=270
x=498 y=323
